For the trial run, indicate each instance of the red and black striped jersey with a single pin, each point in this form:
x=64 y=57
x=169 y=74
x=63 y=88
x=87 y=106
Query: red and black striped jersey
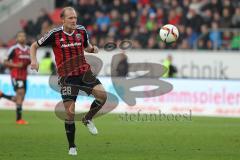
x=19 y=54
x=68 y=50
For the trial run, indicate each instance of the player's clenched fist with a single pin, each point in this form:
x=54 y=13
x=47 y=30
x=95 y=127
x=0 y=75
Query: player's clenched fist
x=95 y=49
x=34 y=65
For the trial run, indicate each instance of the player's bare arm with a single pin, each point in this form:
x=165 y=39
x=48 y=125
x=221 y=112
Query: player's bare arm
x=33 y=53
x=10 y=64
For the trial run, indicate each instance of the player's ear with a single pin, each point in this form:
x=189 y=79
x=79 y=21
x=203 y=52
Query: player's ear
x=62 y=16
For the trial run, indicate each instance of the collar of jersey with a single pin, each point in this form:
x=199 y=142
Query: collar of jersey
x=22 y=48
x=69 y=34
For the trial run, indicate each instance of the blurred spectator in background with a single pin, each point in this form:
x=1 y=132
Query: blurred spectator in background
x=226 y=20
x=152 y=44
x=214 y=5
x=191 y=37
x=235 y=42
x=200 y=44
x=215 y=36
x=209 y=45
x=204 y=35
x=226 y=38
x=151 y=23
x=194 y=20
x=172 y=69
x=46 y=65
x=216 y=17
x=184 y=44
x=140 y=20
x=122 y=66
x=43 y=18
x=236 y=18
x=29 y=28
x=102 y=21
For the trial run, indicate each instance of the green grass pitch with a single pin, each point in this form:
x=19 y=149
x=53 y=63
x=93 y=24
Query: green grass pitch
x=44 y=139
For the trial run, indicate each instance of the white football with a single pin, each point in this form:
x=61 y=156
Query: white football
x=169 y=33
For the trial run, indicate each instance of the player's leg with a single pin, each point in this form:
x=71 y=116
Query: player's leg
x=69 y=122
x=9 y=97
x=92 y=85
x=20 y=94
x=20 y=87
x=69 y=96
x=16 y=85
x=70 y=125
x=100 y=98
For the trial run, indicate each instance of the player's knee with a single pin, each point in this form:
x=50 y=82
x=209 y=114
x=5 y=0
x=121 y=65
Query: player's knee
x=19 y=97
x=70 y=116
x=103 y=98
x=19 y=100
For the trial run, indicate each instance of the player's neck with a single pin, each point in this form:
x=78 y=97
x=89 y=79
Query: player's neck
x=67 y=30
x=22 y=44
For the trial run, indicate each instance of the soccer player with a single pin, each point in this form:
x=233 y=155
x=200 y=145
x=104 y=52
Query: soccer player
x=69 y=43
x=17 y=62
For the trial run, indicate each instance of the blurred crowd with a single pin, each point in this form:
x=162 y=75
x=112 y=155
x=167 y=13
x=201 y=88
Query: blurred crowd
x=203 y=24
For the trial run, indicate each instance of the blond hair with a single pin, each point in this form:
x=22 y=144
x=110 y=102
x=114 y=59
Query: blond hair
x=62 y=14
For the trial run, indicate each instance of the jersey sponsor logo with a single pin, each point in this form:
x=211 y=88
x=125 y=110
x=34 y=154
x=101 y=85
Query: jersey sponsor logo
x=24 y=56
x=78 y=36
x=61 y=40
x=71 y=45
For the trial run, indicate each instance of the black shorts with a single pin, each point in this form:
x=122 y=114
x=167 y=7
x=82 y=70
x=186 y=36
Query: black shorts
x=70 y=86
x=18 y=83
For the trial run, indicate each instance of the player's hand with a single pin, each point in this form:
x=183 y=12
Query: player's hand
x=19 y=65
x=34 y=65
x=95 y=49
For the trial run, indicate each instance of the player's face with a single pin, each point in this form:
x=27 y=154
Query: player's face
x=70 y=19
x=21 y=38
